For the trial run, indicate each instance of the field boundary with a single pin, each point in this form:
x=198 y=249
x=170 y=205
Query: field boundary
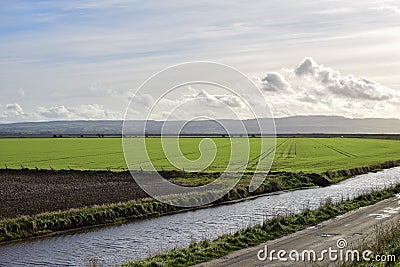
x=178 y=173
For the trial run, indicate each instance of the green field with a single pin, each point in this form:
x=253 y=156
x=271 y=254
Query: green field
x=292 y=154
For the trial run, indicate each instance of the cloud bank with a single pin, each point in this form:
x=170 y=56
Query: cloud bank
x=347 y=86
x=15 y=113
x=12 y=112
x=312 y=88
x=213 y=100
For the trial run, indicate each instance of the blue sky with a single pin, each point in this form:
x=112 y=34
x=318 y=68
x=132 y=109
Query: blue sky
x=84 y=59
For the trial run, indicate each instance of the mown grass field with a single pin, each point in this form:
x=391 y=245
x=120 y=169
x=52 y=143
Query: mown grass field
x=292 y=154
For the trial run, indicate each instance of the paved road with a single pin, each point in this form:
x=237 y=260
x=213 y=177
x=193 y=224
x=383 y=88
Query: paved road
x=355 y=227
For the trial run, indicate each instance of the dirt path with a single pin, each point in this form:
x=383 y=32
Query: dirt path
x=354 y=227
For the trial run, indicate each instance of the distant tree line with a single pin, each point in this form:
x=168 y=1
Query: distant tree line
x=81 y=136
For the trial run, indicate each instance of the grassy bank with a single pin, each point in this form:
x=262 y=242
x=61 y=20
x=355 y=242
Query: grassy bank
x=335 y=176
x=384 y=244
x=321 y=179
x=45 y=223
x=49 y=222
x=271 y=229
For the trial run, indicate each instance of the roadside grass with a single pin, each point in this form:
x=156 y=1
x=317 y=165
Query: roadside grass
x=385 y=242
x=270 y=229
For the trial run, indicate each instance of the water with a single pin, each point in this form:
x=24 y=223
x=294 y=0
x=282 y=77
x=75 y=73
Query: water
x=114 y=245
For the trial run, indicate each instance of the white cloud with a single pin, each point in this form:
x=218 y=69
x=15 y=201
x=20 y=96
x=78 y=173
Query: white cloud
x=275 y=82
x=82 y=112
x=316 y=90
x=12 y=112
x=338 y=84
x=188 y=103
x=53 y=112
x=214 y=100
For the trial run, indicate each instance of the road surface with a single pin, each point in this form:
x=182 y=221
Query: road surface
x=356 y=227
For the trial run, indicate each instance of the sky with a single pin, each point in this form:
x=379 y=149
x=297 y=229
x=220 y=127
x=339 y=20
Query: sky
x=70 y=60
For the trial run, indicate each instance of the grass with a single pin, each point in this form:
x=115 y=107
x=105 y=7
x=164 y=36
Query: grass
x=292 y=154
x=45 y=223
x=270 y=229
x=384 y=242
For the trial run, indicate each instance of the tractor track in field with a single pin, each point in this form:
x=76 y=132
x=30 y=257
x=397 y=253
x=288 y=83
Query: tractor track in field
x=99 y=154
x=64 y=158
x=177 y=156
x=340 y=151
x=55 y=151
x=348 y=154
x=138 y=163
x=292 y=150
x=266 y=153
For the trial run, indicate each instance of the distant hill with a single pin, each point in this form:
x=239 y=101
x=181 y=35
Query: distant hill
x=289 y=125
x=336 y=124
